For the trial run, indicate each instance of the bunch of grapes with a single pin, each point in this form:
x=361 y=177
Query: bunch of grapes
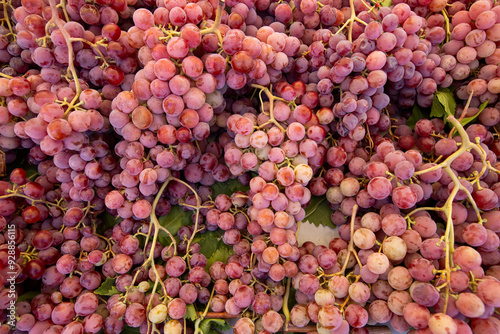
x=138 y=112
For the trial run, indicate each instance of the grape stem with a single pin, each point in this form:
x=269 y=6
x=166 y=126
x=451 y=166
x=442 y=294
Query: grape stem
x=71 y=55
x=350 y=248
x=448 y=237
x=150 y=303
x=31 y=201
x=105 y=239
x=62 y=5
x=271 y=98
x=286 y=311
x=215 y=27
x=5 y=76
x=447 y=24
x=202 y=316
x=157 y=228
x=350 y=21
x=94 y=46
x=156 y=225
x=292 y=328
x=198 y=206
x=348 y=297
x=7 y=19
x=155 y=221
x=464 y=112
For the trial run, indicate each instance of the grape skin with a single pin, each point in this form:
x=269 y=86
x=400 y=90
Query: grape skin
x=178 y=91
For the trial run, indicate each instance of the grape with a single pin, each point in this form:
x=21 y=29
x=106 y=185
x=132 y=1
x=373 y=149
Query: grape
x=424 y=293
x=416 y=315
x=122 y=263
x=404 y=197
x=86 y=304
x=441 y=322
x=485 y=292
x=467 y=258
x=244 y=325
x=364 y=238
x=397 y=300
x=379 y=311
x=272 y=321
x=359 y=292
x=394 y=248
x=379 y=187
x=190 y=94
x=356 y=316
x=176 y=308
x=484 y=324
x=339 y=286
x=377 y=263
x=298 y=315
x=63 y=313
x=422 y=270
x=393 y=225
x=470 y=305
x=330 y=316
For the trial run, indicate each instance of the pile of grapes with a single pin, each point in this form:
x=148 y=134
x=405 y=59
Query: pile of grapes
x=161 y=156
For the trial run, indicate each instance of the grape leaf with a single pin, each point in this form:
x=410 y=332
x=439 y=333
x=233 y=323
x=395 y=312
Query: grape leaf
x=386 y=3
x=221 y=254
x=416 y=115
x=130 y=330
x=108 y=221
x=228 y=187
x=318 y=212
x=176 y=218
x=468 y=120
x=31 y=171
x=437 y=109
x=443 y=103
x=207 y=326
x=191 y=313
x=107 y=288
x=210 y=242
x=28 y=296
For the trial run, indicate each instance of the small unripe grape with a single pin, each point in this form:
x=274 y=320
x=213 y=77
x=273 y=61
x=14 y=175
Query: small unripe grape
x=143 y=286
x=303 y=173
x=158 y=314
x=173 y=327
x=324 y=297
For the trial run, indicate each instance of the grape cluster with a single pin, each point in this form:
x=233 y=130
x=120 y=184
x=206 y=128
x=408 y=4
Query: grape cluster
x=133 y=112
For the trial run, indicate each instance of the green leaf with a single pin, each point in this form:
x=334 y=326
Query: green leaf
x=483 y=105
x=207 y=325
x=468 y=120
x=191 y=313
x=447 y=99
x=386 y=3
x=130 y=330
x=416 y=115
x=318 y=212
x=221 y=254
x=437 y=109
x=108 y=221
x=210 y=242
x=471 y=119
x=176 y=218
x=229 y=187
x=31 y=171
x=443 y=103
x=152 y=285
x=28 y=296
x=107 y=288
